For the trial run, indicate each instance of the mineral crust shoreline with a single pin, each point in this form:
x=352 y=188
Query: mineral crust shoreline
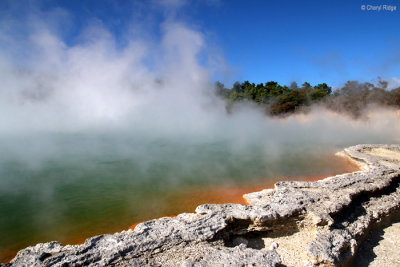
x=320 y=223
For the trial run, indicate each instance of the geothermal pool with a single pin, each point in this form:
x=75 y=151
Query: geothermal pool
x=68 y=187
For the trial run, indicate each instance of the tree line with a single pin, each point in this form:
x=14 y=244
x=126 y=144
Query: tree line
x=280 y=100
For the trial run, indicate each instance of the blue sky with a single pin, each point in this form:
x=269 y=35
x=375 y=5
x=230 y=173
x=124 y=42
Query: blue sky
x=316 y=41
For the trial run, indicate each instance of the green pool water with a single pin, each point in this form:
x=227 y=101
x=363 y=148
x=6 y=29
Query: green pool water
x=68 y=187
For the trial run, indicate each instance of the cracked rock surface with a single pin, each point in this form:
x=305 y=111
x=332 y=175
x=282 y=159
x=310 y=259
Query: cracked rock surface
x=295 y=224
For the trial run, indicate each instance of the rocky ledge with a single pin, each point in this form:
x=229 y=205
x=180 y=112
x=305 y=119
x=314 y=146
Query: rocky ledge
x=294 y=224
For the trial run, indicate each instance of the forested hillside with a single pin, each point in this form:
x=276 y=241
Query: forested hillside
x=282 y=100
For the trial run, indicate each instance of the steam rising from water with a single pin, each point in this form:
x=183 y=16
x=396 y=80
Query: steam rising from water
x=154 y=88
x=95 y=95
x=94 y=83
x=98 y=97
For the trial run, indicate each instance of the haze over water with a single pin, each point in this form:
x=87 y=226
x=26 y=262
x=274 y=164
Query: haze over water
x=69 y=186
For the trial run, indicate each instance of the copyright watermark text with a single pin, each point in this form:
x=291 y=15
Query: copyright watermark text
x=379 y=8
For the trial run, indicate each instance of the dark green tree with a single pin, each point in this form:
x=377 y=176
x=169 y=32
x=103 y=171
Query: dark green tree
x=288 y=102
x=324 y=87
x=237 y=87
x=306 y=85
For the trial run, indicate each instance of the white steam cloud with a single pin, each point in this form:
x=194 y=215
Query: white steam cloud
x=94 y=82
x=159 y=88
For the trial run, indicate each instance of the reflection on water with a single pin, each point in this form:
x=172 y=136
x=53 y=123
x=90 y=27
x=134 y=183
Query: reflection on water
x=71 y=187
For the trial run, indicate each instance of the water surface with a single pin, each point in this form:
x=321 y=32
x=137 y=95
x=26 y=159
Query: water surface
x=68 y=187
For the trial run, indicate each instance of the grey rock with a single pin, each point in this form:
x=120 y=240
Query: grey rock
x=341 y=209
